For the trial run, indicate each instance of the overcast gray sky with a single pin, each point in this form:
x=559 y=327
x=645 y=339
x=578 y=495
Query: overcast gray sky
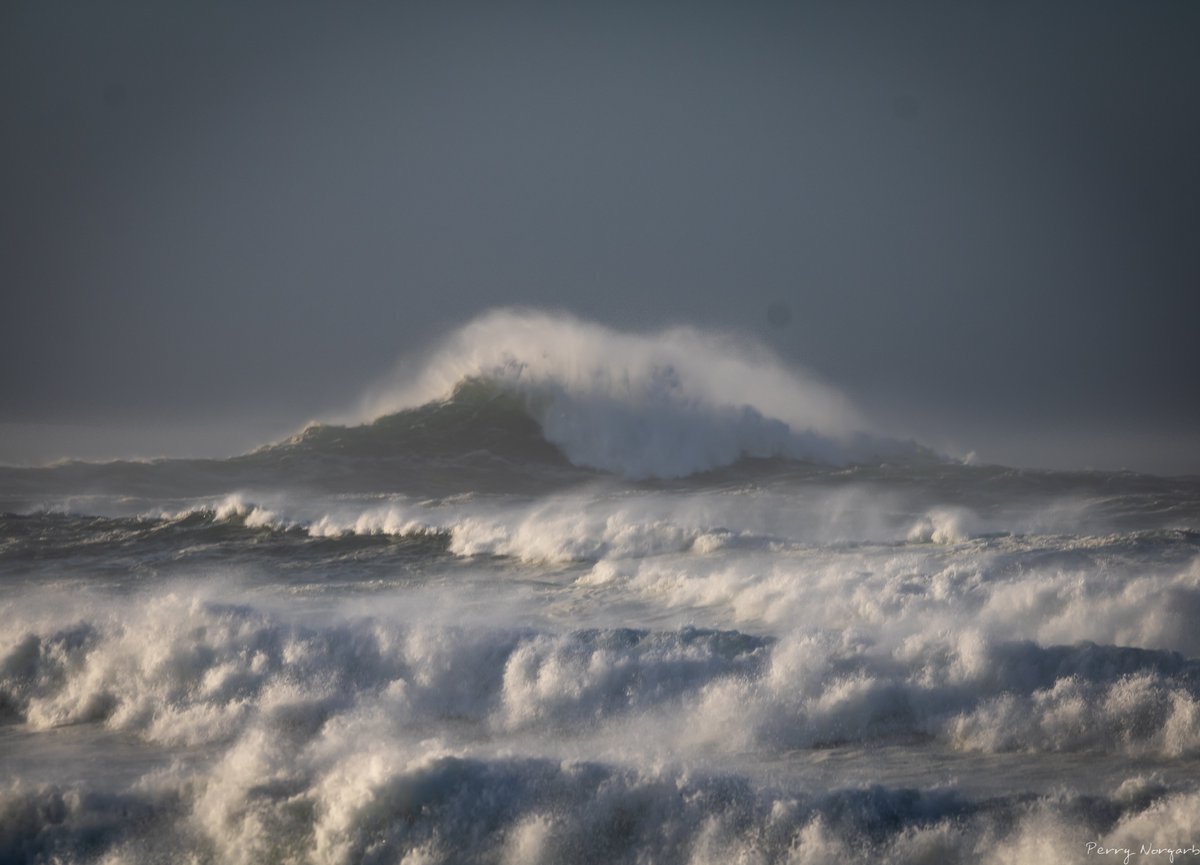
x=219 y=219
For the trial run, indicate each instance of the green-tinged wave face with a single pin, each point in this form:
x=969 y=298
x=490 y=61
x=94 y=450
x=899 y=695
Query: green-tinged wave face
x=478 y=417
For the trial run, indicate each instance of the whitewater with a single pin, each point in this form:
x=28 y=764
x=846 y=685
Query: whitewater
x=554 y=593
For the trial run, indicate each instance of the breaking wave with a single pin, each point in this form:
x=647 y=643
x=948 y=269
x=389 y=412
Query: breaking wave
x=665 y=404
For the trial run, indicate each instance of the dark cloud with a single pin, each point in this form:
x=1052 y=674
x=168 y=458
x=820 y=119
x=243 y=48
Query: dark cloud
x=980 y=218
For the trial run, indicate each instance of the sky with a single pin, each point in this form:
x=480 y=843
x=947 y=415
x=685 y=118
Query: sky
x=979 y=220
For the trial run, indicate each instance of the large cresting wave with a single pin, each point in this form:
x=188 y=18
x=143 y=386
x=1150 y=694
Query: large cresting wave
x=663 y=404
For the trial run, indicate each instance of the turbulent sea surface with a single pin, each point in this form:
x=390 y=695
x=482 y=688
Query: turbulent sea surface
x=573 y=596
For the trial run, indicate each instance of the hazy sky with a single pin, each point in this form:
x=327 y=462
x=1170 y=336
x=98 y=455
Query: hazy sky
x=219 y=219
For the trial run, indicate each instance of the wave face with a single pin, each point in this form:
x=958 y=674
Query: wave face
x=546 y=606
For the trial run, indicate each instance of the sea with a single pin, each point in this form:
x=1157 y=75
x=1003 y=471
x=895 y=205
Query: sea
x=554 y=593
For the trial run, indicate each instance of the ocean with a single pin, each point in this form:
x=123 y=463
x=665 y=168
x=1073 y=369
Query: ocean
x=557 y=594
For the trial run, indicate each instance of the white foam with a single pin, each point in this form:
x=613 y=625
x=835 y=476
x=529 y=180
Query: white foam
x=600 y=522
x=185 y=671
